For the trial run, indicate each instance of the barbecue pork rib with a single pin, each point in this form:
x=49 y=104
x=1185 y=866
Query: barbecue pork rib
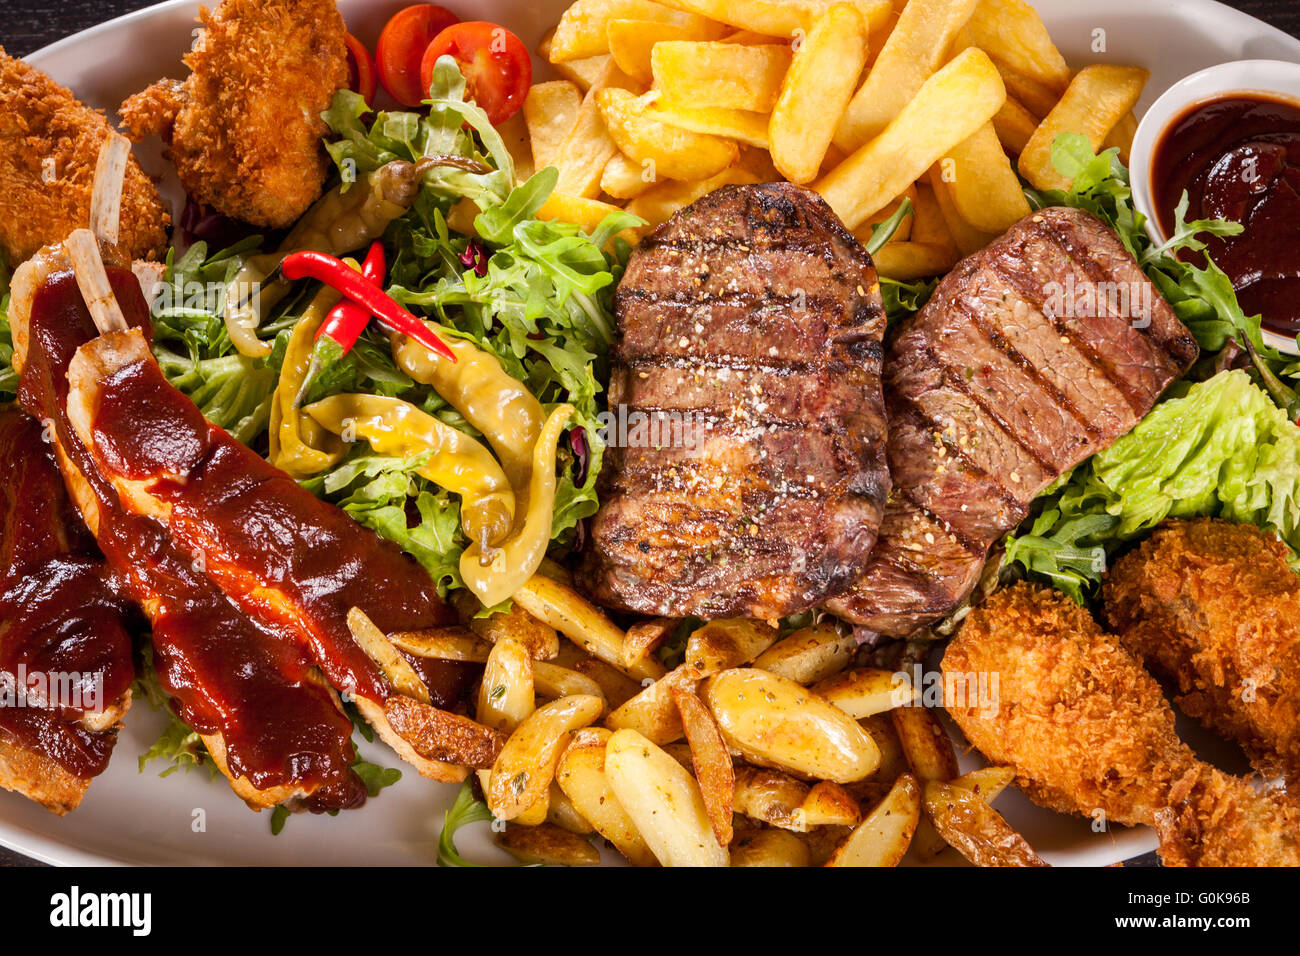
x=749 y=336
x=271 y=724
x=1032 y=355
x=65 y=650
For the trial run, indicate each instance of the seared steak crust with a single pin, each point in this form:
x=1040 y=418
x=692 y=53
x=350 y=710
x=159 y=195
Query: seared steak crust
x=1033 y=354
x=756 y=314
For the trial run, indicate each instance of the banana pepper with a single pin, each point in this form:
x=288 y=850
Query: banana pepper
x=458 y=463
x=299 y=445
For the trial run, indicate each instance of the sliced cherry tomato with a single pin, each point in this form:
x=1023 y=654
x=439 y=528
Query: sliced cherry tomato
x=496 y=64
x=361 y=69
x=401 y=45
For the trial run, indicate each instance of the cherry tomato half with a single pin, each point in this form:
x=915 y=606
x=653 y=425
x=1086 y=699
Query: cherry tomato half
x=496 y=64
x=361 y=69
x=401 y=45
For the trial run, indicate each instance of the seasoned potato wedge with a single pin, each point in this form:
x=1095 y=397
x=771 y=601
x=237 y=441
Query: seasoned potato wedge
x=770 y=848
x=772 y=721
x=548 y=845
x=663 y=801
x=581 y=776
x=864 y=691
x=882 y=838
x=710 y=760
x=975 y=829
x=809 y=654
x=523 y=771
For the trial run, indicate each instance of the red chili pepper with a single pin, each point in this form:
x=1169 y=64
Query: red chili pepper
x=347 y=320
x=339 y=276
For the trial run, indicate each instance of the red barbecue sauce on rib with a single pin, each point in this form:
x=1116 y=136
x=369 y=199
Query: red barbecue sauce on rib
x=225 y=672
x=272 y=546
x=1238 y=158
x=63 y=636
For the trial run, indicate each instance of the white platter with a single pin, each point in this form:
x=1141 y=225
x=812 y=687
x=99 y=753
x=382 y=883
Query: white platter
x=135 y=818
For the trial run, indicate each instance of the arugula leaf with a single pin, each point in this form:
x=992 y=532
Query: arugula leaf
x=464 y=811
x=179 y=746
x=884 y=232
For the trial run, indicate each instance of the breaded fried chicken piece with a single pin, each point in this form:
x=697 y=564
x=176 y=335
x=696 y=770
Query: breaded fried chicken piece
x=48 y=146
x=1215 y=606
x=1087 y=729
x=1085 y=726
x=245 y=128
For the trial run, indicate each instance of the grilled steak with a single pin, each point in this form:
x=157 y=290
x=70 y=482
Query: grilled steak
x=750 y=330
x=1033 y=354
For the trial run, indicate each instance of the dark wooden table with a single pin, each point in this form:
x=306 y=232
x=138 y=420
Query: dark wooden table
x=27 y=25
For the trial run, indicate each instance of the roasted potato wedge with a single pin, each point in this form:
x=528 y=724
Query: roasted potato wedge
x=975 y=829
x=548 y=845
x=882 y=838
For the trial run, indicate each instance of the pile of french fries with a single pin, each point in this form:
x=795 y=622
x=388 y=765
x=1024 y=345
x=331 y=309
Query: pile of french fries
x=867 y=102
x=755 y=749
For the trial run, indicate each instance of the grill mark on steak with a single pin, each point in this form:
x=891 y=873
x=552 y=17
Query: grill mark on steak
x=1063 y=385
x=958 y=381
x=755 y=312
x=1003 y=345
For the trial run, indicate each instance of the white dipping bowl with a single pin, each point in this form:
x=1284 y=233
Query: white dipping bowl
x=1273 y=78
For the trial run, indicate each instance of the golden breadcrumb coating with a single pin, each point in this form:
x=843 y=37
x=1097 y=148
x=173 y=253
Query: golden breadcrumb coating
x=1216 y=607
x=49 y=143
x=244 y=128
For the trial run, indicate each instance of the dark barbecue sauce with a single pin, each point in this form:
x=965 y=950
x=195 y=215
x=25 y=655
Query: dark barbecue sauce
x=226 y=674
x=63 y=637
x=1238 y=158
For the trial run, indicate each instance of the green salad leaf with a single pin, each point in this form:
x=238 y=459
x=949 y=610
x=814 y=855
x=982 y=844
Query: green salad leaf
x=467 y=809
x=1219 y=448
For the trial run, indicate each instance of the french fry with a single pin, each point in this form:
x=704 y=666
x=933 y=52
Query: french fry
x=525 y=767
x=583 y=73
x=774 y=722
x=624 y=179
x=1012 y=32
x=928 y=224
x=1014 y=125
x=987 y=782
x=658 y=204
x=1097 y=100
x=779 y=18
x=727 y=75
x=548 y=845
x=984 y=189
x=550 y=112
x=564 y=609
x=967 y=238
x=815 y=92
x=581 y=776
x=588 y=214
x=663 y=801
x=770 y=848
x=630 y=41
x=865 y=231
x=757 y=164
x=581 y=158
x=809 y=654
x=710 y=759
x=866 y=691
x=974 y=829
x=1121 y=137
x=909 y=261
x=914 y=51
x=676 y=153
x=951 y=105
x=582 y=30
x=740 y=125
x=1037 y=98
x=883 y=837
x=514 y=133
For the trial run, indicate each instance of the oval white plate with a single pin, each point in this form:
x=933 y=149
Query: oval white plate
x=132 y=818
